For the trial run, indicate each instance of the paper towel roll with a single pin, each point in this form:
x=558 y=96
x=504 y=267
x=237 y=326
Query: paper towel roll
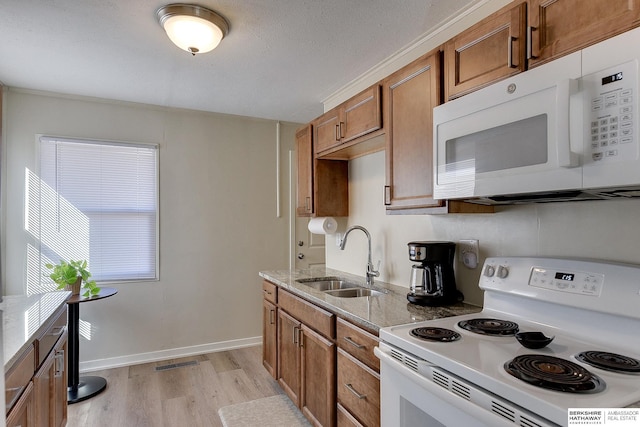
x=325 y=225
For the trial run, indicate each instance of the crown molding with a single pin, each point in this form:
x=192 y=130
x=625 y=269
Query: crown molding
x=422 y=45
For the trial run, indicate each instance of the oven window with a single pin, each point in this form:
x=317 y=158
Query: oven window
x=411 y=416
x=513 y=145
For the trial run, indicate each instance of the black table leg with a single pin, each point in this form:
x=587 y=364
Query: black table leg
x=79 y=388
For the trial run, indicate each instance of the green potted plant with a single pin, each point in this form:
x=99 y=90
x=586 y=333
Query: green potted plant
x=70 y=276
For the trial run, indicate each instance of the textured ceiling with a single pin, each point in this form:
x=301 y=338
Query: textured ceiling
x=280 y=60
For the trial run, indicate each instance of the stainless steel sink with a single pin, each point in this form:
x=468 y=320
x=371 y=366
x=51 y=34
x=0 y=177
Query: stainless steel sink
x=354 y=293
x=328 y=283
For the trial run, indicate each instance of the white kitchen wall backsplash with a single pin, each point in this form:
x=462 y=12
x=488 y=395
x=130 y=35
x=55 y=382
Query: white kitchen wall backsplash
x=601 y=229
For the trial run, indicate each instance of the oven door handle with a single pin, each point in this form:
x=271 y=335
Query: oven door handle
x=382 y=354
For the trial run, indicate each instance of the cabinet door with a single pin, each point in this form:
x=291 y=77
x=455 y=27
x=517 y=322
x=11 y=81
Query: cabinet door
x=269 y=337
x=289 y=356
x=317 y=378
x=326 y=130
x=60 y=384
x=361 y=114
x=50 y=388
x=563 y=26
x=489 y=51
x=22 y=413
x=304 y=149
x=43 y=391
x=411 y=94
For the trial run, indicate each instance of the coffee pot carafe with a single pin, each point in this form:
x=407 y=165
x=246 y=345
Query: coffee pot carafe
x=433 y=281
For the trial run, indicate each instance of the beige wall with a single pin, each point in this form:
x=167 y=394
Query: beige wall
x=218 y=224
x=606 y=230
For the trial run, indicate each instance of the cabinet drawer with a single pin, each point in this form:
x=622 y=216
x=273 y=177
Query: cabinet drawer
x=345 y=419
x=357 y=342
x=19 y=377
x=55 y=329
x=314 y=317
x=358 y=389
x=270 y=291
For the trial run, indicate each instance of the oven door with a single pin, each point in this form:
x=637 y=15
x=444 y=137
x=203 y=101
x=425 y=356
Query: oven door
x=513 y=137
x=408 y=398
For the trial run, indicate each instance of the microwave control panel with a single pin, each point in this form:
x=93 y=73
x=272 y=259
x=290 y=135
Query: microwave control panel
x=611 y=99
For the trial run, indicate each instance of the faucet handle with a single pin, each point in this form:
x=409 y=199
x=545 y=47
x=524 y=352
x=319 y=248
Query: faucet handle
x=371 y=271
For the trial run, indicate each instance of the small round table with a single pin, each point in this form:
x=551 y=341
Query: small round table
x=81 y=388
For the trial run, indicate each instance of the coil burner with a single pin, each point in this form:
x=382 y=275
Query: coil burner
x=490 y=326
x=610 y=361
x=554 y=373
x=435 y=334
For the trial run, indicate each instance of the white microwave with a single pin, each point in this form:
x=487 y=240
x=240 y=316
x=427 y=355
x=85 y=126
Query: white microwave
x=567 y=130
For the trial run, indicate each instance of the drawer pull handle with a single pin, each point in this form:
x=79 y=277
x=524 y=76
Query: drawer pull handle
x=353 y=343
x=59 y=358
x=353 y=390
x=266 y=292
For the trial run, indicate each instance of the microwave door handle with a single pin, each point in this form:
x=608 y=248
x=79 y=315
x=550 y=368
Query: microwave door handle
x=566 y=158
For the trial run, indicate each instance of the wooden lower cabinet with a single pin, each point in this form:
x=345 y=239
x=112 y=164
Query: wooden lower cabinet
x=289 y=356
x=50 y=387
x=22 y=413
x=38 y=380
x=325 y=365
x=269 y=337
x=345 y=419
x=306 y=363
x=318 y=360
x=358 y=389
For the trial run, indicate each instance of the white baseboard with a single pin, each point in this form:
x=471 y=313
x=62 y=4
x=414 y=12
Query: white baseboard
x=155 y=356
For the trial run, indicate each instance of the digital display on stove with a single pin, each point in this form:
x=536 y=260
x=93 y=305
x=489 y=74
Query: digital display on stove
x=565 y=276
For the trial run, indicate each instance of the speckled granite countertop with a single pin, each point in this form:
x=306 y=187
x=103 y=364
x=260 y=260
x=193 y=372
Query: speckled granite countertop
x=23 y=318
x=373 y=312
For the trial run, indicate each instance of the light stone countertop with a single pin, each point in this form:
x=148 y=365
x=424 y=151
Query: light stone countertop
x=24 y=318
x=373 y=312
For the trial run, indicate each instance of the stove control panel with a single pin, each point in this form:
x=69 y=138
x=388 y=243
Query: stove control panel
x=575 y=282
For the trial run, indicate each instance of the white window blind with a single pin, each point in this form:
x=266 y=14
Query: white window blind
x=99 y=201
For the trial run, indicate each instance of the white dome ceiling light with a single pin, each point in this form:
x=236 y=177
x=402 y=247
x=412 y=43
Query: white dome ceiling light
x=193 y=28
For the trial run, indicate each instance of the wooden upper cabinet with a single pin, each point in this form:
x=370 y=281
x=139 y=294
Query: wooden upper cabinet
x=304 y=150
x=563 y=26
x=411 y=93
x=356 y=117
x=361 y=114
x=491 y=50
x=322 y=185
x=326 y=128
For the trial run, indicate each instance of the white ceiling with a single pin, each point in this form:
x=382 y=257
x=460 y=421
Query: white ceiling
x=280 y=60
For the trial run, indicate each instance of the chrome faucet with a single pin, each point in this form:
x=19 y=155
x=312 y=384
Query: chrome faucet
x=371 y=272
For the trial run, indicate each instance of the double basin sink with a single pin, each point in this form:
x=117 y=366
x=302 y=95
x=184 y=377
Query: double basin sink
x=338 y=287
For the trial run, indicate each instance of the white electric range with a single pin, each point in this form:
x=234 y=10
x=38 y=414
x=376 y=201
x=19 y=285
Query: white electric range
x=592 y=309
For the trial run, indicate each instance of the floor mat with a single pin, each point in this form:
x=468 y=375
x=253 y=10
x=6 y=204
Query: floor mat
x=274 y=411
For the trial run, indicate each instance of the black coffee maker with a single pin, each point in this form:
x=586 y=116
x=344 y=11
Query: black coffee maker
x=433 y=282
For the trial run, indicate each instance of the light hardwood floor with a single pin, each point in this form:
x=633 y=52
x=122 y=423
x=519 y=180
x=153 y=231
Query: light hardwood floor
x=183 y=396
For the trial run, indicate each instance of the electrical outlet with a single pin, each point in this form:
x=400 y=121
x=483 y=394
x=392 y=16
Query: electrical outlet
x=468 y=253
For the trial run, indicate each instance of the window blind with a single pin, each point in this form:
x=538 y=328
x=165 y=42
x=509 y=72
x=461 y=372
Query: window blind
x=99 y=201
